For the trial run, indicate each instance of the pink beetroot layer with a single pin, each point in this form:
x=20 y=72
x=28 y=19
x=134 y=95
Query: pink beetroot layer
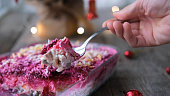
x=59 y=44
x=34 y=76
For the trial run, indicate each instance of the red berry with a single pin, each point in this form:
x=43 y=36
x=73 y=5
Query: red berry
x=168 y=70
x=129 y=54
x=133 y=92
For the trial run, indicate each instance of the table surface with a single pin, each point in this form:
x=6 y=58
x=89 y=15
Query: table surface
x=146 y=72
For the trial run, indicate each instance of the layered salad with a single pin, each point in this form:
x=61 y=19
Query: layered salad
x=51 y=69
x=59 y=54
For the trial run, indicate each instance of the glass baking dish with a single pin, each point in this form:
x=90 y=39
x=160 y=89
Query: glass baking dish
x=94 y=79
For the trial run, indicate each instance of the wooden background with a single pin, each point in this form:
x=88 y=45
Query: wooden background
x=146 y=72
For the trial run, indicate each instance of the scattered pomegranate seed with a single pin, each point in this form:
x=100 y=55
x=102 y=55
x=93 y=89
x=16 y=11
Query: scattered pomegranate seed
x=129 y=54
x=133 y=92
x=168 y=70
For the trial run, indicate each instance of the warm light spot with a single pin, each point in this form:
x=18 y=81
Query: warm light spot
x=115 y=8
x=34 y=30
x=80 y=30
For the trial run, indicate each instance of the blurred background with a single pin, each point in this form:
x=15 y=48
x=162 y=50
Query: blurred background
x=33 y=21
x=25 y=22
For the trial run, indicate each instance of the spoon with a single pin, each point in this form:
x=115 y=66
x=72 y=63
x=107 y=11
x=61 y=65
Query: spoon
x=81 y=49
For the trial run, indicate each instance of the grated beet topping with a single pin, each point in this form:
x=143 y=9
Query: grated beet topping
x=49 y=46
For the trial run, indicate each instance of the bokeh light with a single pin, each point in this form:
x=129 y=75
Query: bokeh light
x=80 y=30
x=33 y=30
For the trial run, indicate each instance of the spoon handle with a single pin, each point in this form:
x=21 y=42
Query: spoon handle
x=96 y=33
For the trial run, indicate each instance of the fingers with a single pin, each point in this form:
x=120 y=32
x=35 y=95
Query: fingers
x=115 y=26
x=132 y=39
x=126 y=31
x=118 y=27
x=135 y=28
x=105 y=23
x=129 y=12
x=128 y=35
x=109 y=24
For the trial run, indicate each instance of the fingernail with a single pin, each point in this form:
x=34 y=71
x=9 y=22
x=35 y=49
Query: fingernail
x=115 y=9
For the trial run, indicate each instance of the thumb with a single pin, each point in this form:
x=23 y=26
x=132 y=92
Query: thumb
x=129 y=12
